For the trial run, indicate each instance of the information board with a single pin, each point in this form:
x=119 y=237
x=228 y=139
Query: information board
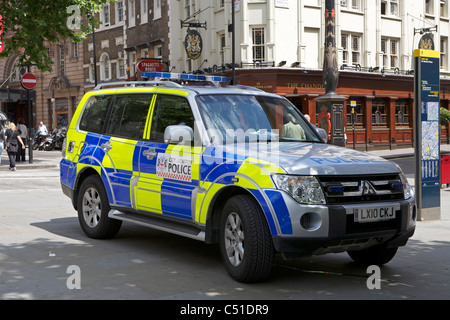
x=427 y=133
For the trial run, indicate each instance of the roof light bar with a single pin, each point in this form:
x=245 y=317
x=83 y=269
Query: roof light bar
x=183 y=76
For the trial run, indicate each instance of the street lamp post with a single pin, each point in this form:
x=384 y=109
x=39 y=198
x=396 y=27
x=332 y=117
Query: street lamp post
x=233 y=43
x=331 y=105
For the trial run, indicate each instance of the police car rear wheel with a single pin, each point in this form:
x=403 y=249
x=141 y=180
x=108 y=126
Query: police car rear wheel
x=245 y=241
x=93 y=208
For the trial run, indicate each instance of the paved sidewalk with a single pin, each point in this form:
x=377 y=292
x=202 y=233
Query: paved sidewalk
x=41 y=160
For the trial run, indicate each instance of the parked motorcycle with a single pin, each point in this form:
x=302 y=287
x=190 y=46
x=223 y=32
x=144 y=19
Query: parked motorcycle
x=39 y=141
x=55 y=140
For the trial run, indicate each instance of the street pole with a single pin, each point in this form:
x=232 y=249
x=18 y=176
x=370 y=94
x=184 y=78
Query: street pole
x=30 y=124
x=95 y=55
x=233 y=44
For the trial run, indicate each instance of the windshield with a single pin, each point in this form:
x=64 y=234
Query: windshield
x=232 y=118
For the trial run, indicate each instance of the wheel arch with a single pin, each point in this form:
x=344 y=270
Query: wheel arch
x=81 y=177
x=217 y=204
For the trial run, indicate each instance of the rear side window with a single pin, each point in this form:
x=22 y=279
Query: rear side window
x=170 y=110
x=129 y=115
x=94 y=113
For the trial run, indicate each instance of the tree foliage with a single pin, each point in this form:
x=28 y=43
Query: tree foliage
x=444 y=116
x=28 y=24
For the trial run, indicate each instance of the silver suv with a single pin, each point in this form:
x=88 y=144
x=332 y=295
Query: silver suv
x=232 y=165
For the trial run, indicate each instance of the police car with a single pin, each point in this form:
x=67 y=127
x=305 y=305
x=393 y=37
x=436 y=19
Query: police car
x=231 y=165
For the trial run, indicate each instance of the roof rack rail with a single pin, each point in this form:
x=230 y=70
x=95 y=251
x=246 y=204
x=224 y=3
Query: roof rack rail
x=134 y=84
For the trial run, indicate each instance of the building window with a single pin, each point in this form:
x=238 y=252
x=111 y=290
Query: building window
x=429 y=7
x=74 y=49
x=62 y=64
x=121 y=68
x=402 y=113
x=92 y=72
x=258 y=40
x=389 y=8
x=144 y=11
x=443 y=8
x=379 y=113
x=189 y=7
x=351 y=48
x=351 y=4
x=356 y=49
x=221 y=3
x=105 y=67
x=344 y=40
x=222 y=44
x=359 y=113
x=131 y=13
x=157 y=51
x=157 y=9
x=120 y=11
x=132 y=63
x=389 y=48
x=105 y=15
x=444 y=56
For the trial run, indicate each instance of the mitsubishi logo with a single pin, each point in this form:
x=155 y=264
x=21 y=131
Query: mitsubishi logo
x=366 y=188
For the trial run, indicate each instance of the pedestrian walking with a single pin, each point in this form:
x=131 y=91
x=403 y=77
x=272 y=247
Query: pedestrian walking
x=12 y=144
x=23 y=131
x=2 y=141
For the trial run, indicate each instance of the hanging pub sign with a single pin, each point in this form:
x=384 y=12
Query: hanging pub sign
x=193 y=44
x=426 y=42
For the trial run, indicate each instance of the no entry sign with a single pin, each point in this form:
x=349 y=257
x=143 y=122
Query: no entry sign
x=29 y=81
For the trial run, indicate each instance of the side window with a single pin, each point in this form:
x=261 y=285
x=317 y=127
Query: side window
x=94 y=113
x=170 y=110
x=129 y=115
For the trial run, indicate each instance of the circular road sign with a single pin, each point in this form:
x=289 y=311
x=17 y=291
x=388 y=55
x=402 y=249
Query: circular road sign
x=29 y=81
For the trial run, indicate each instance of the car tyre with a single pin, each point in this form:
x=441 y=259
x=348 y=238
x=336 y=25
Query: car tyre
x=376 y=255
x=245 y=241
x=93 y=208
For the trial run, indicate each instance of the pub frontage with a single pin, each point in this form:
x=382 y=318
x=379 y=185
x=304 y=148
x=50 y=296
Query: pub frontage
x=382 y=103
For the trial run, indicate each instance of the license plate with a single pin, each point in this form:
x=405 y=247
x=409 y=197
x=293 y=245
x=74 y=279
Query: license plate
x=373 y=214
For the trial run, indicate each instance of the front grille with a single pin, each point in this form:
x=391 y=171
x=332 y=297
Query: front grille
x=360 y=189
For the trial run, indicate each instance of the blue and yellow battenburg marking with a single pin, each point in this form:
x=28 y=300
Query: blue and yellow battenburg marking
x=178 y=181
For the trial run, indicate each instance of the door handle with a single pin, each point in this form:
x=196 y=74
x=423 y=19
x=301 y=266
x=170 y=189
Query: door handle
x=106 y=146
x=150 y=153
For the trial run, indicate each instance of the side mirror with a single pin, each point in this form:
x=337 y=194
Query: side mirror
x=179 y=134
x=323 y=134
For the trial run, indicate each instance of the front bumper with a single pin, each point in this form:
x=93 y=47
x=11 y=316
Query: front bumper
x=338 y=232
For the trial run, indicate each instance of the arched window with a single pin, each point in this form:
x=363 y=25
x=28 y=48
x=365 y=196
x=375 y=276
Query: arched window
x=105 y=67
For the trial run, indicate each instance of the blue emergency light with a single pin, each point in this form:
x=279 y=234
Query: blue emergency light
x=183 y=76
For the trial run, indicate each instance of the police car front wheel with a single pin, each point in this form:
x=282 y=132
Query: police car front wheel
x=93 y=208
x=245 y=240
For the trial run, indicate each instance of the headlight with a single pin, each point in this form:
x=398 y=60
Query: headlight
x=304 y=189
x=408 y=191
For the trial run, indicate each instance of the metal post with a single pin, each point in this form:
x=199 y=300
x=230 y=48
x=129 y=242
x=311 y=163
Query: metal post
x=233 y=44
x=95 y=55
x=30 y=124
